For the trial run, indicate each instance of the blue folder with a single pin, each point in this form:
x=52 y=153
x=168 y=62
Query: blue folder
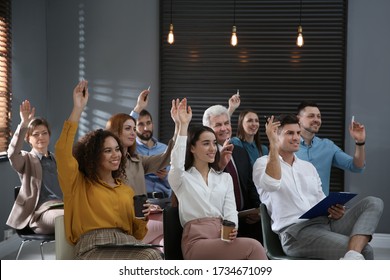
x=321 y=208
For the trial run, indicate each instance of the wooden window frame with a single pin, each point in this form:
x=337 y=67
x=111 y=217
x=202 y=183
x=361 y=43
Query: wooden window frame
x=5 y=77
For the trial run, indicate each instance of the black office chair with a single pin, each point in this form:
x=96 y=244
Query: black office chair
x=27 y=234
x=172 y=233
x=271 y=240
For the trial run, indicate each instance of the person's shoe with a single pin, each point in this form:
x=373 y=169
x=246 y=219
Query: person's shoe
x=353 y=255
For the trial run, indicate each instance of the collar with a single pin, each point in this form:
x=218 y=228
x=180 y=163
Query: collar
x=40 y=155
x=295 y=160
x=133 y=158
x=193 y=169
x=103 y=183
x=139 y=142
x=303 y=143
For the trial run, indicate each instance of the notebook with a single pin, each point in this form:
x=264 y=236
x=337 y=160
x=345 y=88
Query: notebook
x=321 y=208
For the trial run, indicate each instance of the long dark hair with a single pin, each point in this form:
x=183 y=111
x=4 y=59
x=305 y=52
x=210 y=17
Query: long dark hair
x=88 y=153
x=241 y=132
x=194 y=133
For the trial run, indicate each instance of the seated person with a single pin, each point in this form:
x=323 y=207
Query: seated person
x=99 y=207
x=248 y=133
x=157 y=186
x=323 y=153
x=124 y=126
x=39 y=200
x=205 y=196
x=289 y=187
x=235 y=161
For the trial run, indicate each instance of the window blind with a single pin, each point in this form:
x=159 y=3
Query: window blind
x=5 y=76
x=271 y=72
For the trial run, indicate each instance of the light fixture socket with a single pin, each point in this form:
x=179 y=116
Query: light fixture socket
x=300 y=40
x=171 y=27
x=234 y=29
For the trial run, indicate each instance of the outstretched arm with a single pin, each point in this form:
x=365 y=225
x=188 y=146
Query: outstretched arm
x=273 y=168
x=15 y=156
x=183 y=114
x=175 y=117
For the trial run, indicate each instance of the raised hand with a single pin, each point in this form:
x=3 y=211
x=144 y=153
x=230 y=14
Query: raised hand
x=142 y=101
x=80 y=99
x=271 y=129
x=174 y=110
x=184 y=112
x=234 y=103
x=225 y=154
x=80 y=94
x=27 y=113
x=357 y=132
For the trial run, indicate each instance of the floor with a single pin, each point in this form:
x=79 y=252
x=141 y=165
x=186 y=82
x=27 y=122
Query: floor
x=31 y=251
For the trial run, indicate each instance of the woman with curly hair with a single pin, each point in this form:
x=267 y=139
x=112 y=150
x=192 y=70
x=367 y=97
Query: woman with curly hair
x=99 y=207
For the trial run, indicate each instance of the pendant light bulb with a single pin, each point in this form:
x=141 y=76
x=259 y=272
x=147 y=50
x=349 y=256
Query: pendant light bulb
x=171 y=37
x=300 y=41
x=233 y=40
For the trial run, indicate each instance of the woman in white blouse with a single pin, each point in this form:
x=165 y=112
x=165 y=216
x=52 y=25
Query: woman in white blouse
x=205 y=195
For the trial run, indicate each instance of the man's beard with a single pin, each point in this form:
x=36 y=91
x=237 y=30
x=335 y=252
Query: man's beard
x=145 y=138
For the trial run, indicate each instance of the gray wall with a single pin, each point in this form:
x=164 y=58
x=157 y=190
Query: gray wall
x=368 y=96
x=116 y=44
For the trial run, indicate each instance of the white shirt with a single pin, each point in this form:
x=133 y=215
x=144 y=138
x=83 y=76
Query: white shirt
x=287 y=199
x=196 y=199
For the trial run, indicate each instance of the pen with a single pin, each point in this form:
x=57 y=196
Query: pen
x=83 y=89
x=147 y=95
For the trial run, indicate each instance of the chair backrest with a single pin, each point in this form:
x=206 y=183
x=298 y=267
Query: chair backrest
x=271 y=241
x=64 y=250
x=172 y=233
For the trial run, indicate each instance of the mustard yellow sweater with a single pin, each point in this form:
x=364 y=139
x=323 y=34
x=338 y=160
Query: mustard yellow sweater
x=90 y=206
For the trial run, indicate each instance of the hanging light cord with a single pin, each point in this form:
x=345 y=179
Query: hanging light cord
x=300 y=12
x=171 y=11
x=234 y=12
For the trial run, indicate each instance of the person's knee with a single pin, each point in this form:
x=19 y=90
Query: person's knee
x=374 y=203
x=255 y=249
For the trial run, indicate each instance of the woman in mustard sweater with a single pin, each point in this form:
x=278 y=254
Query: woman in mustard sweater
x=98 y=205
